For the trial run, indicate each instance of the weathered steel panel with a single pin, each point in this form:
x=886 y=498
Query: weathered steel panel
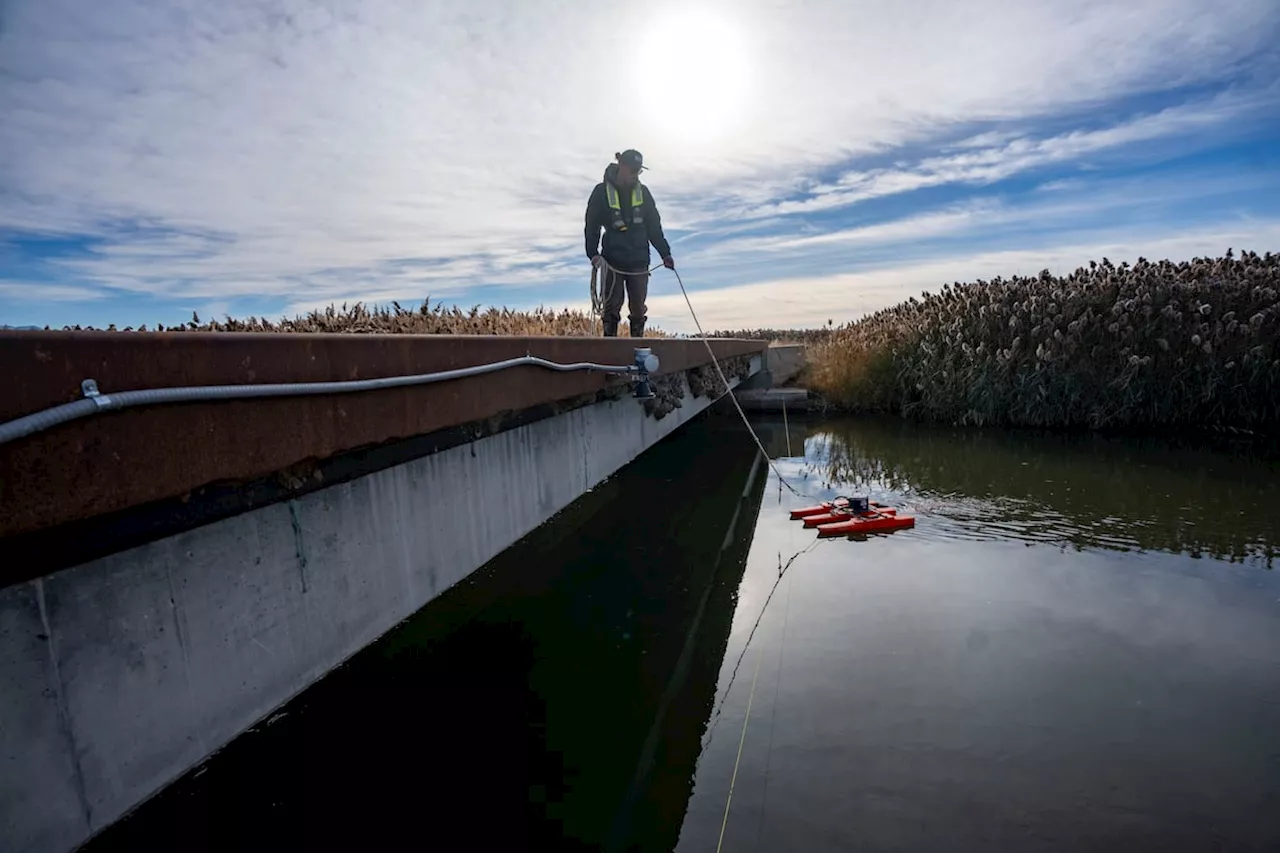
x=119 y=460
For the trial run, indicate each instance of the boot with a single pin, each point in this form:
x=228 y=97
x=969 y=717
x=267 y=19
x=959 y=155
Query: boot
x=610 y=329
x=637 y=328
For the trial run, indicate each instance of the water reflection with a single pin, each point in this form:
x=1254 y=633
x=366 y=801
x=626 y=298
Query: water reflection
x=965 y=687
x=554 y=701
x=780 y=437
x=1084 y=490
x=970 y=684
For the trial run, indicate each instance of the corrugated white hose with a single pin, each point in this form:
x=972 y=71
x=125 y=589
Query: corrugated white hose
x=91 y=405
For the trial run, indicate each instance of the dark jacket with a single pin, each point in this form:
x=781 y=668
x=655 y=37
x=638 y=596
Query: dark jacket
x=625 y=250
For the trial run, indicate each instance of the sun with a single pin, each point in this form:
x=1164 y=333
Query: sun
x=693 y=75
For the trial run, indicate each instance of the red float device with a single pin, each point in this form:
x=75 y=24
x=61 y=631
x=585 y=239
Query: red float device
x=843 y=516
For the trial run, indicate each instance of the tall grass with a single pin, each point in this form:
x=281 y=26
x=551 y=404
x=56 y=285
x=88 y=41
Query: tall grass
x=780 y=336
x=423 y=320
x=1155 y=344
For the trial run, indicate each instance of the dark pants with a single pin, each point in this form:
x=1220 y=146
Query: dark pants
x=636 y=289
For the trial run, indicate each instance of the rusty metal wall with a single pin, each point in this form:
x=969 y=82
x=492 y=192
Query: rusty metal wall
x=119 y=460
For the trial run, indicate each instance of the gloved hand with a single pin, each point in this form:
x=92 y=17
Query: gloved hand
x=669 y=262
x=596 y=261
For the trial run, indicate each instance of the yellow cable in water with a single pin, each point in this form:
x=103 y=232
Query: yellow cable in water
x=750 y=698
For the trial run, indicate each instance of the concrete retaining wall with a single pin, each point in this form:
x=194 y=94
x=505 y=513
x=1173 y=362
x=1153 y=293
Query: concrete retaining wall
x=119 y=674
x=773 y=400
x=784 y=363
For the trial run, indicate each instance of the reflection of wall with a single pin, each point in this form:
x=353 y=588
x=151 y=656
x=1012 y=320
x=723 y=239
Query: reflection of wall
x=773 y=435
x=1153 y=492
x=514 y=710
x=664 y=779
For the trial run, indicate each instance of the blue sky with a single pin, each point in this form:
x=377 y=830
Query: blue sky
x=812 y=160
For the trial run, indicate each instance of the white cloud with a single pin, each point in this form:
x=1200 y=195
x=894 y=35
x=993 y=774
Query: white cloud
x=42 y=292
x=989 y=158
x=910 y=228
x=305 y=149
x=1065 y=206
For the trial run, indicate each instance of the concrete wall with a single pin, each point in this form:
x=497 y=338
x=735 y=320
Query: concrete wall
x=782 y=364
x=118 y=675
x=795 y=400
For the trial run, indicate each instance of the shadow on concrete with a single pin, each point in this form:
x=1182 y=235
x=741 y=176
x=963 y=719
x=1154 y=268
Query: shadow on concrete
x=554 y=700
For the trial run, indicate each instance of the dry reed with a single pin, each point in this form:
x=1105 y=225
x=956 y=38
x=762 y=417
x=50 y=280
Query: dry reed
x=424 y=320
x=1155 y=344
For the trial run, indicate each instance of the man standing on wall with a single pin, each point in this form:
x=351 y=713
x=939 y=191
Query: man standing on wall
x=625 y=209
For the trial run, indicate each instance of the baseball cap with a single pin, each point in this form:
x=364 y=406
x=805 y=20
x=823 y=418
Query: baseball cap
x=633 y=158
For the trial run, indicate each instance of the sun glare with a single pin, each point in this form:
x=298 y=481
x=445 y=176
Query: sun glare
x=695 y=75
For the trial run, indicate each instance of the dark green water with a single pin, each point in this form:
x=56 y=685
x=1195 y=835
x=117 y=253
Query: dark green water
x=1077 y=648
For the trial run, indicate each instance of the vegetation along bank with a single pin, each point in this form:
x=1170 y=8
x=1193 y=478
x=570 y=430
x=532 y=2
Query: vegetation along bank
x=1151 y=345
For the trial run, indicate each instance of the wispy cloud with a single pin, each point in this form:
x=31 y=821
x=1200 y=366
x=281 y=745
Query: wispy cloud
x=236 y=152
x=988 y=159
x=39 y=291
x=1134 y=203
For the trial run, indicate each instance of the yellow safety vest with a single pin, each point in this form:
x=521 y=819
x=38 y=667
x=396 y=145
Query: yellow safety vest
x=637 y=202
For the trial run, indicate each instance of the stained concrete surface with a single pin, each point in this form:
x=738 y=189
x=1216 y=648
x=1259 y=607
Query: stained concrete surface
x=139 y=664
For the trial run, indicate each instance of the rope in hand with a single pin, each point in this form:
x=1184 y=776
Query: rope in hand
x=598 y=301
x=725 y=381
x=610 y=281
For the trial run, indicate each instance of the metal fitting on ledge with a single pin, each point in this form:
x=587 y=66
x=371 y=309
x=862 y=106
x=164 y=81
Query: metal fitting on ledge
x=646 y=363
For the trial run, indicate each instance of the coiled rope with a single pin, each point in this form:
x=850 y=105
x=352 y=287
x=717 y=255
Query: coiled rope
x=608 y=283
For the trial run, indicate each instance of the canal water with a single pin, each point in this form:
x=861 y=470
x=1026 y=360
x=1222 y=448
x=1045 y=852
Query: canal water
x=1076 y=648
